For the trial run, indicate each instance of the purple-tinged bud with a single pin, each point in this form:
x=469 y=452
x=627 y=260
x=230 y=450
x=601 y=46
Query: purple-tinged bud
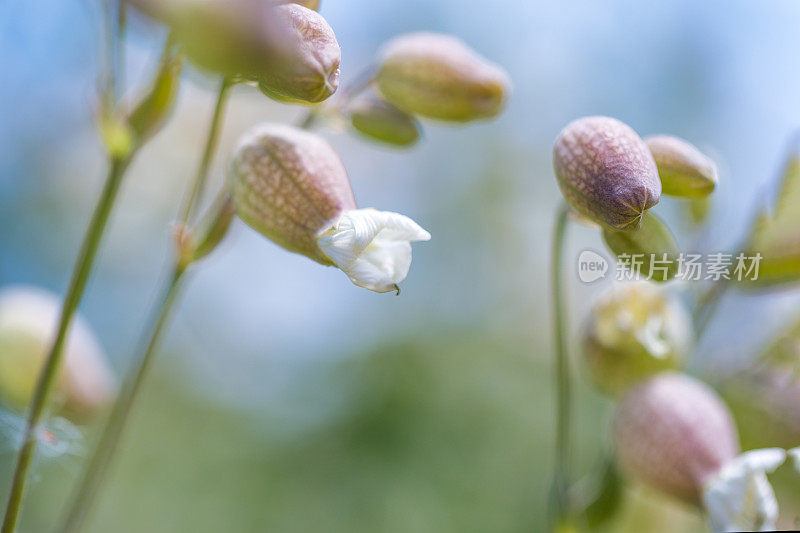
x=684 y=170
x=674 y=434
x=438 y=76
x=28 y=321
x=606 y=172
x=290 y=186
x=305 y=64
x=634 y=331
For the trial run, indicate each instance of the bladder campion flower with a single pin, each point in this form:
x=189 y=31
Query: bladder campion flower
x=606 y=172
x=675 y=434
x=438 y=76
x=291 y=186
x=633 y=331
x=684 y=170
x=28 y=320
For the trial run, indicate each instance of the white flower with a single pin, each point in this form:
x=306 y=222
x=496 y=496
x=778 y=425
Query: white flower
x=372 y=247
x=739 y=497
x=794 y=453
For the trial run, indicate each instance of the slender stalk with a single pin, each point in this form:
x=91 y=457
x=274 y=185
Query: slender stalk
x=707 y=305
x=210 y=148
x=560 y=506
x=122 y=24
x=112 y=432
x=98 y=465
x=47 y=377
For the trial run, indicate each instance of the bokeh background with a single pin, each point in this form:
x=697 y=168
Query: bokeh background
x=287 y=399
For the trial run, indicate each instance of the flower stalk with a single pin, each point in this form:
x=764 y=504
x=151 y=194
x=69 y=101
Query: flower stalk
x=47 y=378
x=112 y=432
x=212 y=140
x=559 y=492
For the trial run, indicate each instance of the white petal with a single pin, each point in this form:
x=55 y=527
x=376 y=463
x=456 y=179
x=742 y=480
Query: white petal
x=372 y=247
x=739 y=497
x=794 y=453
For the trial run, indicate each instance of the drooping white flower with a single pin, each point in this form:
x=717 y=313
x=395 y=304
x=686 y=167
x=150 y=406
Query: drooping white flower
x=372 y=247
x=739 y=497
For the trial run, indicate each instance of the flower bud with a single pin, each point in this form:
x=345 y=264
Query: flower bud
x=28 y=321
x=381 y=121
x=305 y=65
x=673 y=433
x=290 y=49
x=606 y=172
x=634 y=331
x=438 y=76
x=650 y=252
x=683 y=169
x=290 y=186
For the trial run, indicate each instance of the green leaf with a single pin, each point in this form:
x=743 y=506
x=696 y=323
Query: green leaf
x=651 y=249
x=776 y=236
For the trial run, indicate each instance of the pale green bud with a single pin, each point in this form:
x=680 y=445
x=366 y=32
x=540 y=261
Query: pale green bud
x=28 y=322
x=634 y=331
x=683 y=169
x=438 y=76
x=650 y=251
x=606 y=172
x=381 y=121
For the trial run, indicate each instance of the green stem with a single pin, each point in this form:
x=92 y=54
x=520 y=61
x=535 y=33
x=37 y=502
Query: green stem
x=112 y=432
x=98 y=465
x=560 y=488
x=707 y=305
x=210 y=148
x=48 y=375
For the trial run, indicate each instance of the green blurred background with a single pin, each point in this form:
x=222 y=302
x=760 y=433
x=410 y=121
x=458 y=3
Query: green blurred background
x=286 y=399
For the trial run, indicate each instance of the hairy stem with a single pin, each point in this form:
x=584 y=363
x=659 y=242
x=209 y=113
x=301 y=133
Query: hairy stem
x=47 y=377
x=560 y=507
x=112 y=432
x=210 y=148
